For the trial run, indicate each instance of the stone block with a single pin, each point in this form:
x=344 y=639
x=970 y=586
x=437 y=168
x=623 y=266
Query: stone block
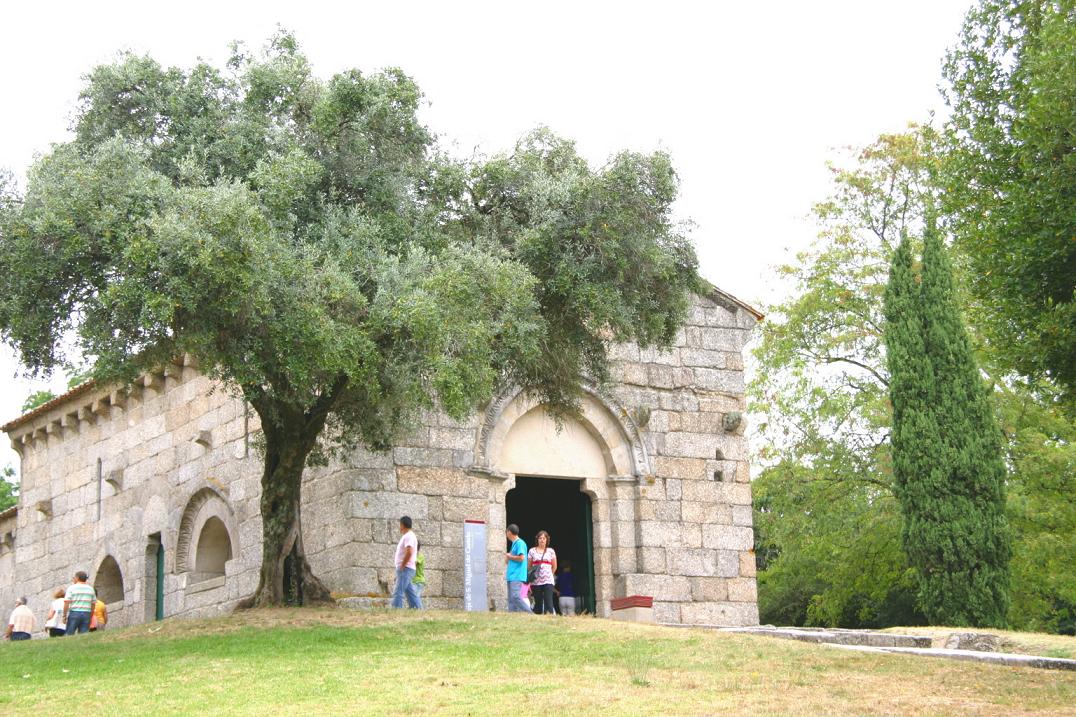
x=715 y=339
x=652 y=560
x=623 y=560
x=659 y=510
x=417 y=437
x=676 y=401
x=691 y=562
x=689 y=445
x=363 y=458
x=742 y=515
x=739 y=494
x=457 y=510
x=631 y=373
x=699 y=422
x=705 y=512
x=658 y=534
x=622 y=509
x=705 y=491
x=623 y=352
x=723 y=614
x=428 y=457
x=742 y=590
x=721 y=380
x=691 y=535
x=440 y=482
x=727 y=537
x=729 y=563
x=665 y=357
x=461 y=439
x=672 y=588
x=704 y=358
x=684 y=468
x=369 y=479
x=709 y=589
x=667 y=613
x=660 y=376
x=732 y=447
x=748 y=564
x=366 y=504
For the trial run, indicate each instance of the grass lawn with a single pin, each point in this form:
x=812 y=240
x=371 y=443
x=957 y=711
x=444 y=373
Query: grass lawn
x=336 y=662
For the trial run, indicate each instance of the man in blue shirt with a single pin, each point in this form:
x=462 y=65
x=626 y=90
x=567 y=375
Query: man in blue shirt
x=516 y=571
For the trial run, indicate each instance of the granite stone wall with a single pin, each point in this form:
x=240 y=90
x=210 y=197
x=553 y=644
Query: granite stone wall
x=115 y=472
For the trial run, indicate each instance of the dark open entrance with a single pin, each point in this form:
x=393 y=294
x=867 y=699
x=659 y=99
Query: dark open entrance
x=559 y=507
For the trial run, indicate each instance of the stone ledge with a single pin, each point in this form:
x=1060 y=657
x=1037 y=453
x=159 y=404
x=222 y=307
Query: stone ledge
x=364 y=603
x=838 y=636
x=204 y=585
x=1010 y=659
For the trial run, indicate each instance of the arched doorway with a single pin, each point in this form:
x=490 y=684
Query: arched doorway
x=586 y=467
x=561 y=508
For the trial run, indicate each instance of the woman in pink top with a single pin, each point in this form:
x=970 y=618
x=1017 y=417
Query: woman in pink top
x=543 y=560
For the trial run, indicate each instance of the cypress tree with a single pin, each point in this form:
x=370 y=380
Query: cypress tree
x=914 y=434
x=947 y=464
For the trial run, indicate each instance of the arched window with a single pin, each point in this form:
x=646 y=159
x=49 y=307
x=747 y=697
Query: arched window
x=109 y=581
x=214 y=549
x=206 y=538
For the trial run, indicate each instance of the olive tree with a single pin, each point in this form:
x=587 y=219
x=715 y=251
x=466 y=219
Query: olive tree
x=308 y=245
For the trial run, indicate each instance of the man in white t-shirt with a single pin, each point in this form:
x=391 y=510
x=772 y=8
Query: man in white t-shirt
x=406 y=552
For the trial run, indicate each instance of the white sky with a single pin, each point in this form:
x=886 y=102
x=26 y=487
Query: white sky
x=750 y=99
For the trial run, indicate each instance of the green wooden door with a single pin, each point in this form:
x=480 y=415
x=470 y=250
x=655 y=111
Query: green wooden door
x=160 y=583
x=589 y=601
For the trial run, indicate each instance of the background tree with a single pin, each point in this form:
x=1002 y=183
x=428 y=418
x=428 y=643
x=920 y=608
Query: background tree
x=1040 y=448
x=9 y=488
x=1010 y=179
x=37 y=398
x=308 y=245
x=827 y=522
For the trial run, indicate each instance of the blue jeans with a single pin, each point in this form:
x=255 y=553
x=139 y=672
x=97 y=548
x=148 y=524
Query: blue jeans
x=404 y=587
x=516 y=603
x=20 y=636
x=78 y=621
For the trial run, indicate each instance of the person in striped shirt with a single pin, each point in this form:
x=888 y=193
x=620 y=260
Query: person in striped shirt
x=78 y=604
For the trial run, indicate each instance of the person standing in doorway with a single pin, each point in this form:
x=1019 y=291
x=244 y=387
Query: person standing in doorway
x=542 y=563
x=570 y=603
x=406 y=554
x=515 y=572
x=21 y=624
x=54 y=621
x=78 y=604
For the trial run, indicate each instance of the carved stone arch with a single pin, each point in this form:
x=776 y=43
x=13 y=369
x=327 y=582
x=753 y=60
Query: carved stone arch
x=206 y=514
x=609 y=423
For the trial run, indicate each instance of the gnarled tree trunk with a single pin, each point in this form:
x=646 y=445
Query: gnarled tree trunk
x=286 y=577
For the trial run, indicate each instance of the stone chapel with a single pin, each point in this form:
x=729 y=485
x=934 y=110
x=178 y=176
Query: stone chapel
x=152 y=489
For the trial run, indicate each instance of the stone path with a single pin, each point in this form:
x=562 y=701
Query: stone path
x=868 y=641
